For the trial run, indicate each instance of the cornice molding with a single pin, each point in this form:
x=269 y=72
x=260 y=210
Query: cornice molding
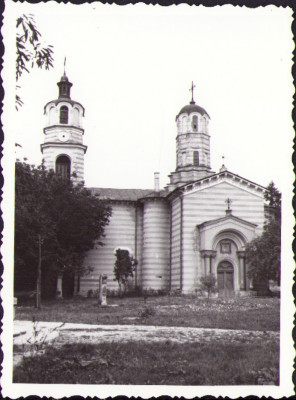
x=52 y=127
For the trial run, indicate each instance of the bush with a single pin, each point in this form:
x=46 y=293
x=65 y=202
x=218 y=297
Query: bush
x=154 y=292
x=147 y=311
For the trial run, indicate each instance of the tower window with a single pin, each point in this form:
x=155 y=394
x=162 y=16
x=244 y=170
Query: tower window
x=64 y=113
x=194 y=123
x=184 y=124
x=196 y=158
x=63 y=167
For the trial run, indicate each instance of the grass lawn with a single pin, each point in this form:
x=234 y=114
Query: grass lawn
x=237 y=313
x=154 y=363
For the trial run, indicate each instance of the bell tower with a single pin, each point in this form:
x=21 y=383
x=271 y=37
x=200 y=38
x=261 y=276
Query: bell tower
x=63 y=149
x=193 y=145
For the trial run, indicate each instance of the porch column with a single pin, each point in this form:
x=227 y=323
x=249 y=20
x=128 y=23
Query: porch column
x=76 y=284
x=242 y=270
x=59 y=293
x=207 y=257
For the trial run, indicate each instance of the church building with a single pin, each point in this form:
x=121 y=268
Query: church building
x=199 y=224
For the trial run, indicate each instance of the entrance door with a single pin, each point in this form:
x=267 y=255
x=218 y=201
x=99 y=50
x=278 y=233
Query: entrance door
x=225 y=278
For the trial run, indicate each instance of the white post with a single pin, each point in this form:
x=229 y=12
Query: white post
x=156 y=181
x=59 y=293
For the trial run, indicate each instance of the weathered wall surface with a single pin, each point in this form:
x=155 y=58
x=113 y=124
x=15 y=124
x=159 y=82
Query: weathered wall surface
x=156 y=244
x=175 y=243
x=120 y=233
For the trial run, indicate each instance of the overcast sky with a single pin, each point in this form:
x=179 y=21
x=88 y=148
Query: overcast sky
x=132 y=67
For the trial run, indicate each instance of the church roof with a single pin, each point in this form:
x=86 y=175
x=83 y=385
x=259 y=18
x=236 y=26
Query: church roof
x=192 y=107
x=120 y=194
x=229 y=217
x=223 y=173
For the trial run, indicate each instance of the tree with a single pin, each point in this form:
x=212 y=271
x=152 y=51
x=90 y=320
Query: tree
x=124 y=267
x=273 y=196
x=208 y=284
x=30 y=51
x=68 y=218
x=264 y=253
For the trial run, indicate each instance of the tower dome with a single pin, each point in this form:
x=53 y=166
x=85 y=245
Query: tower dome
x=193 y=144
x=192 y=108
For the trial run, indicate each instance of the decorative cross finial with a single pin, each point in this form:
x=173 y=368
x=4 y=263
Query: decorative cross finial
x=228 y=201
x=192 y=92
x=65 y=66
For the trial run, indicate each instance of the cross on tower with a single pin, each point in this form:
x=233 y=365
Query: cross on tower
x=228 y=201
x=192 y=92
x=65 y=66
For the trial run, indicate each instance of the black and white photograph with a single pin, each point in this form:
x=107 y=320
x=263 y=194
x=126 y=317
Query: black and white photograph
x=147 y=200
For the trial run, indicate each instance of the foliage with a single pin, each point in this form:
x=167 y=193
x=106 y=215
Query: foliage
x=153 y=292
x=124 y=267
x=68 y=217
x=162 y=363
x=264 y=253
x=30 y=50
x=38 y=341
x=147 y=311
x=273 y=196
x=208 y=284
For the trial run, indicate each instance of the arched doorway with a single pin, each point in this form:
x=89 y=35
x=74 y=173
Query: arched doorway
x=225 y=278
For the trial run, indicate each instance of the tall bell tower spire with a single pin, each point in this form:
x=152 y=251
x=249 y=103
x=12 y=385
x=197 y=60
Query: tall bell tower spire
x=63 y=149
x=193 y=144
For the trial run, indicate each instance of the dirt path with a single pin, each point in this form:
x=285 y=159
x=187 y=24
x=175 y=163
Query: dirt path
x=27 y=334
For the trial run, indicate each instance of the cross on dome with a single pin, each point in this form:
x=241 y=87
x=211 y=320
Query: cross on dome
x=192 y=93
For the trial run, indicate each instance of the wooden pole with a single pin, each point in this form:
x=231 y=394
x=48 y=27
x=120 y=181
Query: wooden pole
x=38 y=283
x=100 y=290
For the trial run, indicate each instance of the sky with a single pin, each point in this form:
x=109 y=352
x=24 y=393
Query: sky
x=132 y=67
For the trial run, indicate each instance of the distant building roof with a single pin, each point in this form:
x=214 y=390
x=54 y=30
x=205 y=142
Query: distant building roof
x=121 y=194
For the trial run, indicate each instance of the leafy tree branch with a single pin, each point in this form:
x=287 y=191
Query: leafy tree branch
x=30 y=51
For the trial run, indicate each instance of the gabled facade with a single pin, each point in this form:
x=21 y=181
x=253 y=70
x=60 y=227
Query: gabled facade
x=198 y=224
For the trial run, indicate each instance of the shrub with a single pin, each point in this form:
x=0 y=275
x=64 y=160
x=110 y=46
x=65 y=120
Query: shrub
x=147 y=311
x=208 y=284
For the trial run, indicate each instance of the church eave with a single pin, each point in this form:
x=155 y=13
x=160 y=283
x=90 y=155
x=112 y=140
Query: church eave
x=227 y=174
x=62 y=145
x=62 y=126
x=224 y=219
x=192 y=134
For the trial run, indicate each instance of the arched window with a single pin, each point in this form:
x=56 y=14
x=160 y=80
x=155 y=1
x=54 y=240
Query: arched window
x=63 y=167
x=64 y=112
x=196 y=158
x=76 y=116
x=184 y=124
x=51 y=115
x=194 y=123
